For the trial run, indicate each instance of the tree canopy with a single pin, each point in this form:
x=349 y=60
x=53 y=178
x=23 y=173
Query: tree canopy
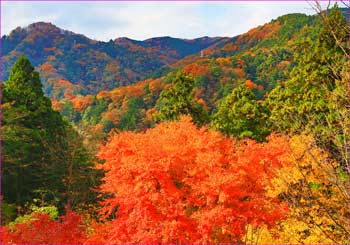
x=42 y=155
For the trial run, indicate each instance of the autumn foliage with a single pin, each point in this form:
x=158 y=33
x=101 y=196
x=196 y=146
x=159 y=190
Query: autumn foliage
x=167 y=180
x=80 y=103
x=196 y=70
x=319 y=207
x=69 y=229
x=179 y=184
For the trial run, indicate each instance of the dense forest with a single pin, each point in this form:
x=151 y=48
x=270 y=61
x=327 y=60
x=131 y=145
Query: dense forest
x=242 y=140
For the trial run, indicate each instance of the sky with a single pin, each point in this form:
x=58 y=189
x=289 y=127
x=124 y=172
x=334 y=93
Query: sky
x=141 y=20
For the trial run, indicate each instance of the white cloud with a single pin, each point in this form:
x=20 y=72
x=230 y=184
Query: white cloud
x=14 y=14
x=142 y=20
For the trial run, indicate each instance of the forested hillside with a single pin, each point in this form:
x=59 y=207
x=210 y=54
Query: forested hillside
x=242 y=140
x=72 y=64
x=261 y=58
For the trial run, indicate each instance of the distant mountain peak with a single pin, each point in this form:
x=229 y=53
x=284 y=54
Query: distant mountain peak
x=92 y=66
x=43 y=27
x=159 y=38
x=123 y=40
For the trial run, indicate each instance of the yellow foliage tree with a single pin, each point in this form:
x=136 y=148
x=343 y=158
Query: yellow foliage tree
x=315 y=188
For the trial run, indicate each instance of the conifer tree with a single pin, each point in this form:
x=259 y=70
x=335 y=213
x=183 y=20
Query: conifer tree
x=240 y=114
x=42 y=156
x=178 y=100
x=302 y=102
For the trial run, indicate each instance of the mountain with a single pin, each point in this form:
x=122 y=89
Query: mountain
x=71 y=63
x=262 y=58
x=87 y=81
x=244 y=140
x=276 y=33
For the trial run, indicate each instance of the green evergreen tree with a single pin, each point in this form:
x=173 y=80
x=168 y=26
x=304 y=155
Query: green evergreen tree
x=178 y=100
x=39 y=149
x=80 y=175
x=241 y=115
x=302 y=103
x=302 y=100
x=31 y=133
x=130 y=119
x=334 y=33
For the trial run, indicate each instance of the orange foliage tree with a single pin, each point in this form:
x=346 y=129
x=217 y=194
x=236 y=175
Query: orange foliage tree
x=195 y=70
x=250 y=84
x=48 y=68
x=239 y=72
x=180 y=184
x=80 y=103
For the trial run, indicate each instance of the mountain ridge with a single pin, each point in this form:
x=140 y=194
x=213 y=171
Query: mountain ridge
x=260 y=58
x=93 y=64
x=72 y=64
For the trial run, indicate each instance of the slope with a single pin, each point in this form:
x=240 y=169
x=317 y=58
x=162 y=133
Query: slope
x=261 y=58
x=71 y=63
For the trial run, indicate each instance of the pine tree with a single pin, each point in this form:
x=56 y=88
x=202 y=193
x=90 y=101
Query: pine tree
x=42 y=156
x=241 y=115
x=304 y=102
x=178 y=100
x=30 y=131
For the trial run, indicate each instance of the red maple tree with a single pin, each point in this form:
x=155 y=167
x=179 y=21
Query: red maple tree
x=69 y=229
x=179 y=184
